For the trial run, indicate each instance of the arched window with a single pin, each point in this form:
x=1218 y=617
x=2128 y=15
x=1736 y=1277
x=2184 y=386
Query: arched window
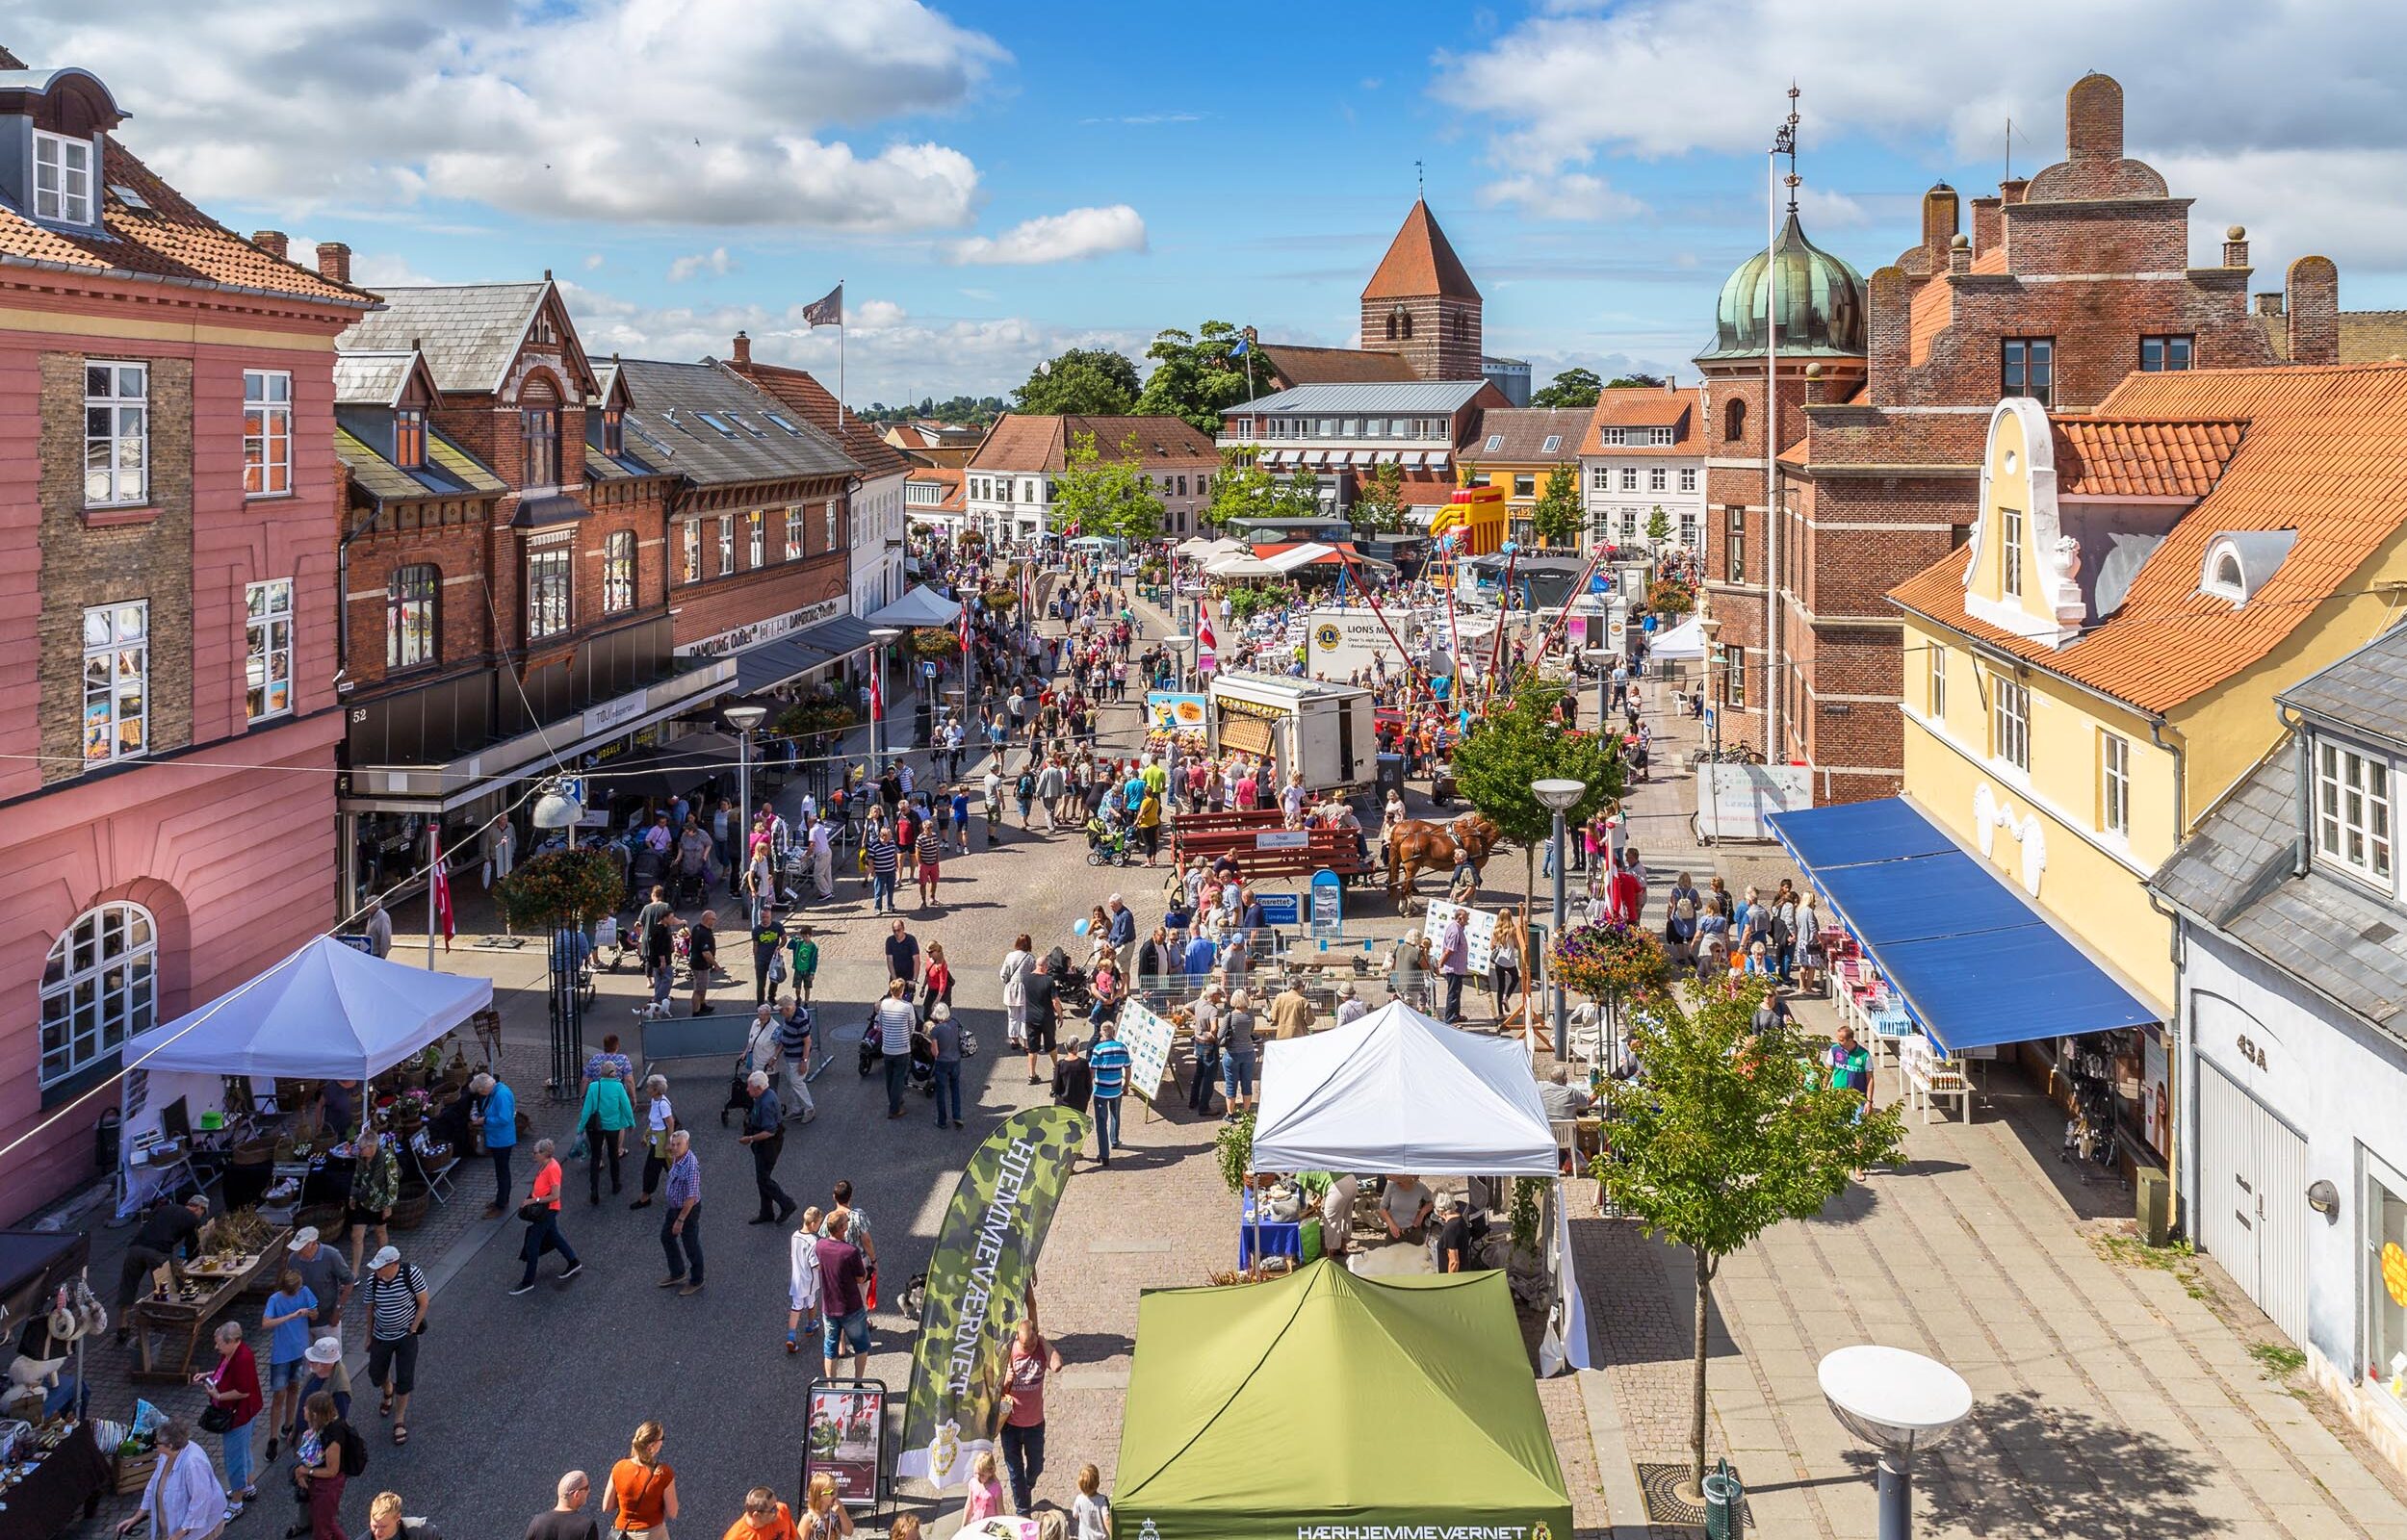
x=1391 y=323
x=539 y=433
x=100 y=987
x=410 y=638
x=1462 y=327
x=1408 y=323
x=1734 y=418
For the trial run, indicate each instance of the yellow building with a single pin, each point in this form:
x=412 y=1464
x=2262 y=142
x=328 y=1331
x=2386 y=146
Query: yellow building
x=1518 y=449
x=2097 y=665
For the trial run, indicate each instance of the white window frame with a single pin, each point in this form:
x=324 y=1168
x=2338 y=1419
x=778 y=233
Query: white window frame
x=561 y=558
x=267 y=434
x=2114 y=784
x=1658 y=479
x=1935 y=687
x=412 y=619
x=268 y=650
x=1629 y=525
x=693 y=550
x=2010 y=552
x=727 y=544
x=618 y=571
x=99 y=988
x=122 y=642
x=1599 y=479
x=123 y=457
x=1630 y=479
x=1688 y=479
x=2010 y=723
x=72 y=199
x=1688 y=530
x=831 y=524
x=2353 y=797
x=1661 y=438
x=794 y=534
x=757 y=537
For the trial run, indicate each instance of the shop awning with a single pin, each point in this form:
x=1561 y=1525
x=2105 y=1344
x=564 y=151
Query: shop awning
x=1974 y=964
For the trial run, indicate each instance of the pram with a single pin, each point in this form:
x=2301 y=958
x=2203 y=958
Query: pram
x=922 y=1059
x=687 y=889
x=1071 y=986
x=1108 y=845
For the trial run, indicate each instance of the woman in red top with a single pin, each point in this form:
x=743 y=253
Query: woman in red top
x=233 y=1388
x=938 y=983
x=1032 y=1359
x=542 y=1213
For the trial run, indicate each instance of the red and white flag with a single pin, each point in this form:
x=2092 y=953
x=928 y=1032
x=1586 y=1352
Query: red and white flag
x=442 y=879
x=877 y=696
x=965 y=627
x=1203 y=632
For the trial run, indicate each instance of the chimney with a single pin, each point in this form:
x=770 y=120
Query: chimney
x=1988 y=225
x=2235 y=247
x=271 y=241
x=2011 y=191
x=1671 y=383
x=1888 y=315
x=335 y=262
x=743 y=350
x=1816 y=390
x=2313 y=299
x=1939 y=214
x=2269 y=302
x=1959 y=254
x=2093 y=119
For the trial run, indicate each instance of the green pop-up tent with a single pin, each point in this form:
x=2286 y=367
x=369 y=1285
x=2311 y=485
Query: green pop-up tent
x=1325 y=1406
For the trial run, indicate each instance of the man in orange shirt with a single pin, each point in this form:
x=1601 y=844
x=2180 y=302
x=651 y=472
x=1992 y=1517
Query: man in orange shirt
x=542 y=1213
x=765 y=1518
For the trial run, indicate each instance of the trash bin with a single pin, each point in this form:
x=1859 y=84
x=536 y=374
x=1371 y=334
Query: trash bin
x=1390 y=776
x=1724 y=1516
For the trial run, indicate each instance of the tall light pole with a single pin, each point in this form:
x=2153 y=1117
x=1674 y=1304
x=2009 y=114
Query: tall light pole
x=884 y=637
x=1899 y=1402
x=1178 y=646
x=743 y=719
x=556 y=810
x=1558 y=797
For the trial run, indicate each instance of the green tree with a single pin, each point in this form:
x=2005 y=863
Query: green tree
x=1194 y=376
x=1519 y=741
x=1729 y=1133
x=1556 y=517
x=1244 y=490
x=1643 y=382
x=1091 y=381
x=1573 y=387
x=1379 y=501
x=1105 y=497
x=1658 y=526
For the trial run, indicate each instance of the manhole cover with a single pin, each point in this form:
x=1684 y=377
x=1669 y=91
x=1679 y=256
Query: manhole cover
x=1660 y=1485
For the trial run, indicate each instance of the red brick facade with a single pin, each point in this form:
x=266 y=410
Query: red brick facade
x=2090 y=256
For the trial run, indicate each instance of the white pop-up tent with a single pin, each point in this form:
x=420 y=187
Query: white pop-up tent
x=922 y=606
x=1401 y=1091
x=1685 y=641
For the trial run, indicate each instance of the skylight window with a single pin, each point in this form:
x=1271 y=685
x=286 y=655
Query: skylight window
x=129 y=197
x=718 y=422
x=1495 y=442
x=738 y=418
x=1554 y=441
x=780 y=419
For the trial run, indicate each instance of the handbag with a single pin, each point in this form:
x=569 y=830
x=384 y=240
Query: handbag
x=531 y=1211
x=217 y=1420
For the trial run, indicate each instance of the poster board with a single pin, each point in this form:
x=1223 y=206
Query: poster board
x=1735 y=801
x=1479 y=930
x=1171 y=712
x=1149 y=1038
x=844 y=1437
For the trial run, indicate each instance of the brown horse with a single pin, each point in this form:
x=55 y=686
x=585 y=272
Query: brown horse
x=1416 y=846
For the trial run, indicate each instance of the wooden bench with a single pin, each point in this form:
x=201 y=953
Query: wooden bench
x=1930 y=1077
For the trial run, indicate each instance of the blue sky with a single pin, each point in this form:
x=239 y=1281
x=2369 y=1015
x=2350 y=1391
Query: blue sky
x=995 y=182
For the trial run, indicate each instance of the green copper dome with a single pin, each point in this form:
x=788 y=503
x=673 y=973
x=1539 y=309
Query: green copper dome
x=1821 y=303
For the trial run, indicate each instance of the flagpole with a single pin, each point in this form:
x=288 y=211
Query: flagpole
x=840 y=355
x=434 y=880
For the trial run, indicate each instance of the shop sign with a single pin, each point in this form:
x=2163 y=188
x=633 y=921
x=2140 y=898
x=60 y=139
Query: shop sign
x=608 y=714
x=758 y=632
x=1282 y=840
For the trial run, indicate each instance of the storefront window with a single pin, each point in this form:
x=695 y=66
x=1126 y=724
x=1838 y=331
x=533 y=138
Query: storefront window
x=2386 y=1285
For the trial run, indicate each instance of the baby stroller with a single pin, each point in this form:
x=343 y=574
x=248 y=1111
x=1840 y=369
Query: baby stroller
x=687 y=888
x=1108 y=845
x=1071 y=984
x=922 y=1059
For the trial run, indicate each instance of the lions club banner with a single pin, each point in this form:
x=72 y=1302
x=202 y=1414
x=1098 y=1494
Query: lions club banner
x=977 y=1281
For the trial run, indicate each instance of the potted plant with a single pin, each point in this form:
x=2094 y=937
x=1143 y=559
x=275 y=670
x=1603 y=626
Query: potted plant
x=1609 y=962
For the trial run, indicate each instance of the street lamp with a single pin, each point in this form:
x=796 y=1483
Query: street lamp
x=556 y=809
x=1178 y=646
x=1898 y=1403
x=883 y=636
x=1558 y=797
x=743 y=719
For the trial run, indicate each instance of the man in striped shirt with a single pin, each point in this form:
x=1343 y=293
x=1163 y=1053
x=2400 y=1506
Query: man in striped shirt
x=883 y=859
x=1109 y=1060
x=931 y=855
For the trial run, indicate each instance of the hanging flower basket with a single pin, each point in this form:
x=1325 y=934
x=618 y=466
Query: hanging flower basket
x=935 y=641
x=1608 y=962
x=561 y=888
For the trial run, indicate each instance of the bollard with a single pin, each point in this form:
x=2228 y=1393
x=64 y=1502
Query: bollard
x=1725 y=1493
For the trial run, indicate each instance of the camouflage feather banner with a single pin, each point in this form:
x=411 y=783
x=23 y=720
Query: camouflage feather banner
x=985 y=1254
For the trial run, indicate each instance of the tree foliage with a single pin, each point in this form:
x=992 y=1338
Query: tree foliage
x=1727 y=1134
x=975 y=411
x=1378 y=506
x=1665 y=597
x=1194 y=376
x=558 y=888
x=1556 y=517
x=1089 y=381
x=1519 y=741
x=1106 y=496
x=1659 y=527
x=1244 y=490
x=1643 y=382
x=1573 y=387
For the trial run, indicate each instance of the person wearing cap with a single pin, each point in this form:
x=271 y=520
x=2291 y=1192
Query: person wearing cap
x=1351 y=1006
x=322 y=1370
x=323 y=1273
x=397 y=1295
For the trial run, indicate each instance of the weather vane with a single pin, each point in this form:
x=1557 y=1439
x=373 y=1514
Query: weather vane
x=1420 y=187
x=1784 y=142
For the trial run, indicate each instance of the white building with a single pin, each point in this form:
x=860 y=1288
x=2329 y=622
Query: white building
x=1645 y=452
x=2292 y=1013
x=1336 y=434
x=1009 y=482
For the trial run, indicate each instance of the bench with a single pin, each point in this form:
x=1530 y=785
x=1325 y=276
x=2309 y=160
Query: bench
x=1930 y=1077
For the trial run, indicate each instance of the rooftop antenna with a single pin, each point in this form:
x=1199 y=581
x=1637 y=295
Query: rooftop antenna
x=1785 y=144
x=1420 y=186
x=2010 y=149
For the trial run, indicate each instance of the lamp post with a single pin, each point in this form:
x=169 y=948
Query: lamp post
x=743 y=719
x=1558 y=797
x=884 y=637
x=1179 y=644
x=556 y=810
x=1709 y=627
x=1899 y=1402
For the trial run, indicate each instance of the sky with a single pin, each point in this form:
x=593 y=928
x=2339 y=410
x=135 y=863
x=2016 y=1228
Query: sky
x=995 y=182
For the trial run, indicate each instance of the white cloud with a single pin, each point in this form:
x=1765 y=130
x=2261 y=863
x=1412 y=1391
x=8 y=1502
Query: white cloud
x=593 y=261
x=715 y=262
x=1826 y=210
x=1070 y=237
x=1563 y=195
x=379 y=269
x=2300 y=105
x=983 y=295
x=701 y=111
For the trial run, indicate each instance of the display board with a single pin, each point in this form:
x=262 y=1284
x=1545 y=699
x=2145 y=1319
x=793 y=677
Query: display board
x=844 y=1437
x=1734 y=801
x=1149 y=1038
x=1479 y=928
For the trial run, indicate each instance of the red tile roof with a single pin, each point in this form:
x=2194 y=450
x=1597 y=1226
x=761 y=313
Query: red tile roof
x=947 y=477
x=1644 y=406
x=169 y=239
x=817 y=403
x=1420 y=261
x=1294 y=364
x=2321 y=455
x=2110 y=458
x=1022 y=442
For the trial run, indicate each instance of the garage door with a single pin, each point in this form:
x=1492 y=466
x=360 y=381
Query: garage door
x=2252 y=1205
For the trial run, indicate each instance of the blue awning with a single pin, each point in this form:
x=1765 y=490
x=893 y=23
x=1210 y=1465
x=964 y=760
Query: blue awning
x=1974 y=962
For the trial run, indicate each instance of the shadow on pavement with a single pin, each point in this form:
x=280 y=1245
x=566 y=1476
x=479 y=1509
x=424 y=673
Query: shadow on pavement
x=2033 y=1466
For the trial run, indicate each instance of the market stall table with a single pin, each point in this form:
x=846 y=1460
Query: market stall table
x=182 y=1320
x=66 y=1482
x=1257 y=1239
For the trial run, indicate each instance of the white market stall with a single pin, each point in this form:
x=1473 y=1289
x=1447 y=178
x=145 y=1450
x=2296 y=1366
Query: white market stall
x=922 y=606
x=329 y=1011
x=1684 y=643
x=1400 y=1091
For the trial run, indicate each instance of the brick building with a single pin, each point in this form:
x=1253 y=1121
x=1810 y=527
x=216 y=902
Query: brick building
x=2066 y=283
x=506 y=578
x=170 y=503
x=1420 y=321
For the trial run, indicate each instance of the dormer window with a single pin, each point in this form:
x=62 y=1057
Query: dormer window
x=2239 y=562
x=2353 y=810
x=613 y=430
x=1661 y=437
x=409 y=439
x=2225 y=579
x=63 y=178
x=1609 y=438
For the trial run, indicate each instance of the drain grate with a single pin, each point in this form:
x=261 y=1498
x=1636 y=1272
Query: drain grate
x=1660 y=1485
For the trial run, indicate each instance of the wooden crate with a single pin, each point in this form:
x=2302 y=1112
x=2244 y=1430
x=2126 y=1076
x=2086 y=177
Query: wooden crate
x=134 y=1472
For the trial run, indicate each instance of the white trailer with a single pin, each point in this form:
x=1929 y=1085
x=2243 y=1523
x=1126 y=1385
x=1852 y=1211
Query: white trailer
x=1321 y=729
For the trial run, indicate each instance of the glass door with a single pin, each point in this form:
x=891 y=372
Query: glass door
x=2386 y=1283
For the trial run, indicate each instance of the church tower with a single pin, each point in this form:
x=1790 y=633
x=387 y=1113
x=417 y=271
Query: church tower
x=1422 y=305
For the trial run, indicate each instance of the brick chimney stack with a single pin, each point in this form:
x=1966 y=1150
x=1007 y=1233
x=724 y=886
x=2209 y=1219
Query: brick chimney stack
x=1939 y=217
x=335 y=262
x=2235 y=247
x=271 y=241
x=2312 y=300
x=2013 y=189
x=1988 y=225
x=743 y=350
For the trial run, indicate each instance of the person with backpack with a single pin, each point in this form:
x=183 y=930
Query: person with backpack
x=1023 y=792
x=396 y=1295
x=331 y=1452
